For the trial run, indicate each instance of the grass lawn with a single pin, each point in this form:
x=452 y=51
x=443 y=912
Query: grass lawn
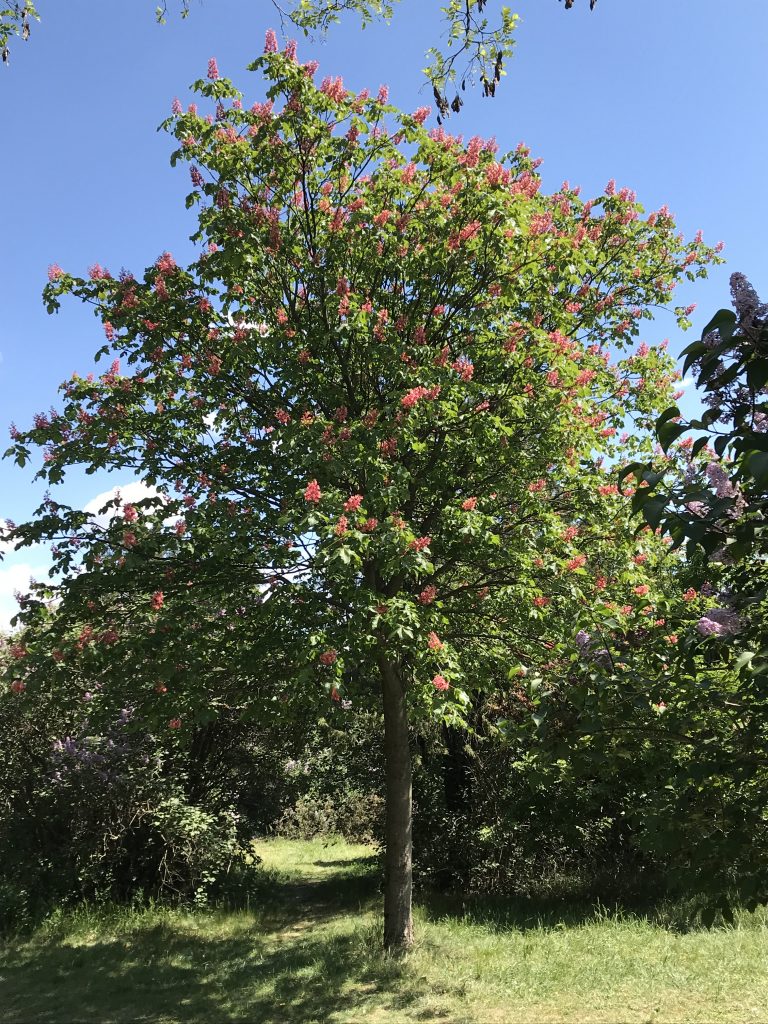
x=309 y=952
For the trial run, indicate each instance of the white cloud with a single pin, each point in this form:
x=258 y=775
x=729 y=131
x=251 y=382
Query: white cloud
x=16 y=578
x=130 y=493
x=687 y=382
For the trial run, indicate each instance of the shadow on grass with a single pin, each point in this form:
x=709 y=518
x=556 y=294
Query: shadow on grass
x=555 y=912
x=279 y=966
x=163 y=976
x=365 y=861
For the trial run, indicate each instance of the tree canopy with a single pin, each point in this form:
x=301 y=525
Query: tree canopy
x=374 y=413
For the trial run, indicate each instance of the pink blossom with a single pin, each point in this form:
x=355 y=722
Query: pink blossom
x=434 y=642
x=642 y=590
x=428 y=595
x=18 y=686
x=158 y=599
x=341 y=526
x=166 y=264
x=55 y=272
x=176 y=108
x=312 y=492
x=469 y=504
x=420 y=543
x=130 y=515
x=576 y=563
x=270 y=41
x=421 y=114
x=383 y=95
x=174 y=723
x=328 y=657
x=353 y=503
x=440 y=683
x=333 y=88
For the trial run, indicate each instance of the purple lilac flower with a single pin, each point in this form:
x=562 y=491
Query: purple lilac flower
x=719 y=622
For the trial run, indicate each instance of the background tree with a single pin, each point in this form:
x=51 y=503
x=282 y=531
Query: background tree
x=691 y=698
x=368 y=410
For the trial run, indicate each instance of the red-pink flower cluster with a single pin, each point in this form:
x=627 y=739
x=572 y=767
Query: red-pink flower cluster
x=353 y=503
x=434 y=642
x=341 y=526
x=415 y=395
x=158 y=600
x=428 y=595
x=312 y=492
x=328 y=657
x=440 y=683
x=334 y=88
x=576 y=563
x=420 y=543
x=469 y=504
x=464 y=368
x=166 y=264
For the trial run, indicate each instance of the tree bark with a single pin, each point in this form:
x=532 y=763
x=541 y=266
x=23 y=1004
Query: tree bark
x=398 y=882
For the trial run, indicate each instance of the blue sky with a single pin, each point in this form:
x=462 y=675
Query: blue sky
x=665 y=96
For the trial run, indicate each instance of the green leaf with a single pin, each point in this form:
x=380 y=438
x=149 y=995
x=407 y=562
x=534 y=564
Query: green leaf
x=757 y=374
x=653 y=510
x=723 y=321
x=757 y=466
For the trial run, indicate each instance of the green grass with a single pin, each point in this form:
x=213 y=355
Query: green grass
x=309 y=952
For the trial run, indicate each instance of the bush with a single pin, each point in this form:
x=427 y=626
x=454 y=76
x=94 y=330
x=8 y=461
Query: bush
x=101 y=815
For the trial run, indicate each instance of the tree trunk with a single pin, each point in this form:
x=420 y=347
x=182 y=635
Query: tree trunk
x=398 y=883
